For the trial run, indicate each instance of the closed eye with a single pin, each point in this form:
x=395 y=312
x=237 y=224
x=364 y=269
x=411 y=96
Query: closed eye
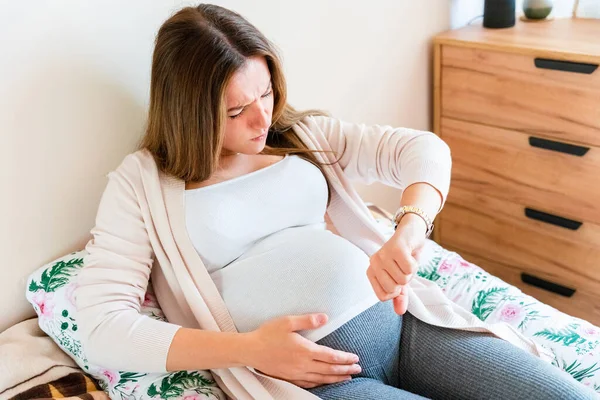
x=269 y=93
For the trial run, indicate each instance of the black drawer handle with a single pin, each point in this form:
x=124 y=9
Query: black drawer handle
x=567 y=66
x=558 y=146
x=547 y=285
x=552 y=219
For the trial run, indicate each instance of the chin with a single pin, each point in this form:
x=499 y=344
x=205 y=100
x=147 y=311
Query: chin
x=257 y=150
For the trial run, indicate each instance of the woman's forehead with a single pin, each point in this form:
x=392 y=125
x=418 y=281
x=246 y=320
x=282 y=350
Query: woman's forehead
x=248 y=83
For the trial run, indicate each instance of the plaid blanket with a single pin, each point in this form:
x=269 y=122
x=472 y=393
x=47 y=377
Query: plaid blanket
x=32 y=366
x=76 y=385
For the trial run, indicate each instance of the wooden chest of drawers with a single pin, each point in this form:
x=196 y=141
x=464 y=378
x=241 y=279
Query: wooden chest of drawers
x=520 y=110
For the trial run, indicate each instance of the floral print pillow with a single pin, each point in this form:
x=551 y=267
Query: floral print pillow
x=574 y=342
x=50 y=291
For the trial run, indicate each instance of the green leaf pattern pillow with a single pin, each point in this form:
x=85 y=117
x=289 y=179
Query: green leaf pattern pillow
x=50 y=291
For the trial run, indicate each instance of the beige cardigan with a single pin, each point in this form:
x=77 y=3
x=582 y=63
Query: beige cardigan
x=140 y=231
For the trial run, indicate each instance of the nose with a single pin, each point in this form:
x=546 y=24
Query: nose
x=262 y=117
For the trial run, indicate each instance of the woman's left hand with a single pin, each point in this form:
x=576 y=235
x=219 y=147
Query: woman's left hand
x=394 y=265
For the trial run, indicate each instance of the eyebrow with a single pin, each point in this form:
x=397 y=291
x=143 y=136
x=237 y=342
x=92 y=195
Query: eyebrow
x=242 y=106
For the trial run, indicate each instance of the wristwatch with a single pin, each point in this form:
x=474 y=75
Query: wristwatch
x=413 y=210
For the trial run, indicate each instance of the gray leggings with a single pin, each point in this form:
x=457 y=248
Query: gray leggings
x=439 y=363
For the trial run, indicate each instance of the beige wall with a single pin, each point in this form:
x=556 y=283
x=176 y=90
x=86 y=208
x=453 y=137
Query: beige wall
x=74 y=81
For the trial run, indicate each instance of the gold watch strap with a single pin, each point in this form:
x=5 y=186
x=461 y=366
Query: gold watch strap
x=413 y=210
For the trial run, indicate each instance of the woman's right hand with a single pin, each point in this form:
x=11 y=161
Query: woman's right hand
x=275 y=349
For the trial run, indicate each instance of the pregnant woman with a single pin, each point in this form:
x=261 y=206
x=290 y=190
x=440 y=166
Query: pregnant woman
x=267 y=264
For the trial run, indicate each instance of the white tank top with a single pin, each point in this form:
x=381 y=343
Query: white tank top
x=263 y=240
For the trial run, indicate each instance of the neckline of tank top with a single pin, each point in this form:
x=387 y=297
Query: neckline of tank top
x=238 y=178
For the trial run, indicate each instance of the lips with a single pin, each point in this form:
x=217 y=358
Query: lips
x=259 y=136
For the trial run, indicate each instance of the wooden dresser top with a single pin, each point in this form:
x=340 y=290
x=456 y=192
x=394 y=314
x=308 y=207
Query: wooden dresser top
x=563 y=38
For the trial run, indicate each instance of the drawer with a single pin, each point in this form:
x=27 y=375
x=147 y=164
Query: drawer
x=582 y=304
x=499 y=230
x=525 y=169
x=508 y=90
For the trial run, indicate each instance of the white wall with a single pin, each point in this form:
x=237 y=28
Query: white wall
x=74 y=79
x=73 y=88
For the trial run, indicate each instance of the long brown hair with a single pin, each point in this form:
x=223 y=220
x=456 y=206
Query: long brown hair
x=196 y=53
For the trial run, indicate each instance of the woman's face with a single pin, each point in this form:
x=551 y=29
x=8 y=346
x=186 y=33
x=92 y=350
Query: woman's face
x=249 y=103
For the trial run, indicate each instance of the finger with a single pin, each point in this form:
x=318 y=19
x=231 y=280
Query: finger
x=326 y=368
x=387 y=282
x=326 y=379
x=400 y=266
x=392 y=266
x=394 y=270
x=305 y=321
x=407 y=263
x=396 y=293
x=381 y=294
x=331 y=356
x=401 y=304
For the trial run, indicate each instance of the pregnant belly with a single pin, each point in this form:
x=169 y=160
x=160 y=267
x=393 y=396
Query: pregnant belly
x=298 y=270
